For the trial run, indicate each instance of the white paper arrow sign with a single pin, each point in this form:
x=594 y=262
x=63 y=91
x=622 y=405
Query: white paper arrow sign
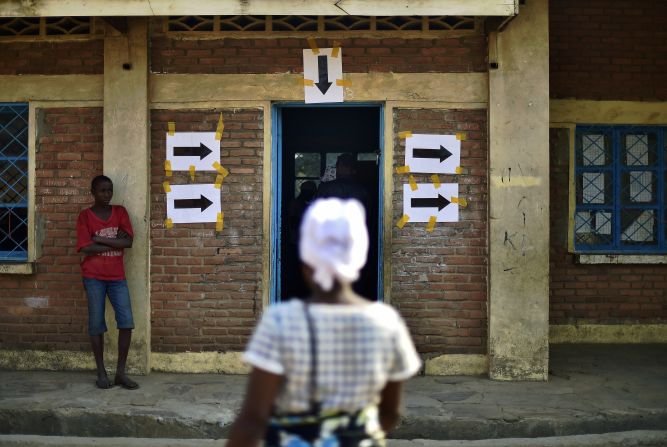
x=198 y=149
x=193 y=203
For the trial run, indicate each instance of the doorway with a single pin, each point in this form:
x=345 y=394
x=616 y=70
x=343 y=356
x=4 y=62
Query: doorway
x=308 y=143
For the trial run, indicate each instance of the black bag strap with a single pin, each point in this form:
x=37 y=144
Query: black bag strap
x=315 y=406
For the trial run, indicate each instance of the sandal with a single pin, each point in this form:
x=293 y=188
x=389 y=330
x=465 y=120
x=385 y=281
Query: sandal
x=126 y=383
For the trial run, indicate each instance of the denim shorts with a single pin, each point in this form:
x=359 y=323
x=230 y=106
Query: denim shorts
x=119 y=296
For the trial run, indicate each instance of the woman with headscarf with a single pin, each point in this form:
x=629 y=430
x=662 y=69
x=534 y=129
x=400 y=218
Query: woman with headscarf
x=328 y=370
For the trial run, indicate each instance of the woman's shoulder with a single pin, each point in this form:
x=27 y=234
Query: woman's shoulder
x=383 y=312
x=376 y=309
x=285 y=308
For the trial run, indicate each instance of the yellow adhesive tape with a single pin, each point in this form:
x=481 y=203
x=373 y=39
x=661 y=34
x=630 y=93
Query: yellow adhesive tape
x=218 y=181
x=336 y=49
x=221 y=169
x=436 y=181
x=171 y=126
x=405 y=134
x=431 y=224
x=167 y=168
x=307 y=82
x=413 y=183
x=462 y=202
x=458 y=170
x=313 y=45
x=402 y=221
x=461 y=136
x=219 y=222
x=166 y=187
x=169 y=223
x=192 y=172
x=220 y=128
x=343 y=83
x=403 y=169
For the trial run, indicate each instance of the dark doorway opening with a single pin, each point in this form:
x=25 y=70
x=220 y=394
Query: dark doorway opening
x=312 y=139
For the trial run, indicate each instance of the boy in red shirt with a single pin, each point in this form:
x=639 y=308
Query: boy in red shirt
x=103 y=231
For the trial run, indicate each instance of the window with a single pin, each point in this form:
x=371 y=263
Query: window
x=40 y=27
x=13 y=182
x=620 y=189
x=347 y=24
x=306 y=168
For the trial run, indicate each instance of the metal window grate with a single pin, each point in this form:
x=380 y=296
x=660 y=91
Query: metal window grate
x=621 y=189
x=320 y=24
x=13 y=182
x=45 y=26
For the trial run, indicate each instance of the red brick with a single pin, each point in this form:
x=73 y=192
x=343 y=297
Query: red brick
x=281 y=55
x=443 y=271
x=584 y=54
x=63 y=323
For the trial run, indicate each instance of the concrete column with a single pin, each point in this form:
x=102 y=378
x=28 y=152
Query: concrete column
x=519 y=197
x=126 y=162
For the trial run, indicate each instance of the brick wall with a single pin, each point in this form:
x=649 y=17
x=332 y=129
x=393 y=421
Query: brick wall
x=608 y=49
x=439 y=279
x=206 y=286
x=52 y=57
x=444 y=55
x=602 y=294
x=48 y=310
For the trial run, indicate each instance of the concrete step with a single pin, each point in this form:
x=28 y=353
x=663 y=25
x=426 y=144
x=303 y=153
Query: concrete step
x=623 y=439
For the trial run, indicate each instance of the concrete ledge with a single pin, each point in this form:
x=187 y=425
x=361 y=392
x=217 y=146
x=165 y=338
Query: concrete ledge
x=457 y=365
x=199 y=362
x=47 y=360
x=17 y=8
x=21 y=88
x=607 y=112
x=602 y=333
x=24 y=268
x=422 y=87
x=621 y=259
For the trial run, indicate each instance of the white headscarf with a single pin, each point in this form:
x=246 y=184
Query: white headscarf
x=334 y=240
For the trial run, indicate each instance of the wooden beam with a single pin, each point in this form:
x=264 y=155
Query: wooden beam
x=45 y=8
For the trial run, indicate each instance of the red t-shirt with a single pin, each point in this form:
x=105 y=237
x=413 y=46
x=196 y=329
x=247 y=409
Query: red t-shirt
x=106 y=266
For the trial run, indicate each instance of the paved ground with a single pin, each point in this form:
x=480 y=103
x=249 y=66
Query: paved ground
x=592 y=390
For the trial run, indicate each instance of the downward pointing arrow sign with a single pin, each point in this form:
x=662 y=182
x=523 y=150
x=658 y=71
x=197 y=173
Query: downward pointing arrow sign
x=430 y=202
x=202 y=151
x=442 y=153
x=202 y=203
x=323 y=74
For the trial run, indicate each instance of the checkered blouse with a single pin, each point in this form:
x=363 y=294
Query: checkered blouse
x=359 y=349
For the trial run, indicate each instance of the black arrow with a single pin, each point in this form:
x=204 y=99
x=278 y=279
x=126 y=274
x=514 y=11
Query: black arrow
x=323 y=72
x=430 y=202
x=202 y=203
x=442 y=153
x=202 y=151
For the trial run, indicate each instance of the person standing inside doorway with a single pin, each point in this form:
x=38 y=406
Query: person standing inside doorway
x=103 y=232
x=345 y=185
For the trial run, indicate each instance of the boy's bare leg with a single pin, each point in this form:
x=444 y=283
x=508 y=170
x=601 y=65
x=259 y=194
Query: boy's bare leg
x=124 y=339
x=97 y=343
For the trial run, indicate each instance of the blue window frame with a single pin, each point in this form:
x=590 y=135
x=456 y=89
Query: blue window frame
x=620 y=189
x=13 y=182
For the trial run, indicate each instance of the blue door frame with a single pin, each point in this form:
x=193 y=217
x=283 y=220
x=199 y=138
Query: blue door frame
x=276 y=187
